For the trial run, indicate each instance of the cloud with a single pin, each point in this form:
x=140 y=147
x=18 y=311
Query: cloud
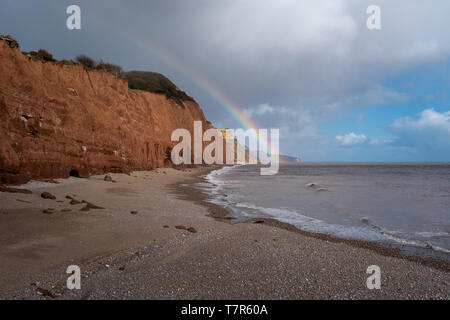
x=429 y=131
x=351 y=139
x=376 y=96
x=288 y=64
x=260 y=110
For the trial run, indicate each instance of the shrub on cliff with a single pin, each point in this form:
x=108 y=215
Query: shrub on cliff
x=45 y=55
x=91 y=64
x=156 y=83
x=42 y=54
x=109 y=67
x=85 y=61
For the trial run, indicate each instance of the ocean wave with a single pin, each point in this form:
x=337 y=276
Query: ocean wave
x=368 y=231
x=412 y=242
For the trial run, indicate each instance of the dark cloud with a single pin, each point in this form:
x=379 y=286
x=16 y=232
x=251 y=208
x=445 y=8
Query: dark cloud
x=304 y=59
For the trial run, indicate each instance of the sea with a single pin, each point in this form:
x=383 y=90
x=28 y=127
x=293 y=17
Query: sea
x=397 y=204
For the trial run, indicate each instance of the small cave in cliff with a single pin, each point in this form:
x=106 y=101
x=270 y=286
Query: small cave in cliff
x=74 y=173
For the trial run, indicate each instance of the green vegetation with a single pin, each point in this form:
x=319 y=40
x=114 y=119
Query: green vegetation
x=91 y=64
x=43 y=55
x=85 y=61
x=156 y=83
x=140 y=80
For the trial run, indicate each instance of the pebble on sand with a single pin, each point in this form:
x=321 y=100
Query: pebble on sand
x=45 y=293
x=192 y=229
x=47 y=195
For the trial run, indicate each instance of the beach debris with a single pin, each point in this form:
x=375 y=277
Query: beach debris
x=73 y=202
x=134 y=212
x=69 y=197
x=45 y=293
x=166 y=226
x=192 y=229
x=47 y=195
x=317 y=186
x=48 y=211
x=258 y=221
x=108 y=178
x=181 y=227
x=14 y=190
x=312 y=185
x=89 y=206
x=365 y=220
x=122 y=268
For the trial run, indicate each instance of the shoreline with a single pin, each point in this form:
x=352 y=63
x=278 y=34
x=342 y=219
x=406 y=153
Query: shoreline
x=187 y=191
x=153 y=255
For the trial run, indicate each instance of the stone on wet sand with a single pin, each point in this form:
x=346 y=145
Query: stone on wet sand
x=192 y=229
x=47 y=195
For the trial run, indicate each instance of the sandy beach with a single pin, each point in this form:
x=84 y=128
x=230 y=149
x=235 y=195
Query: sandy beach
x=155 y=239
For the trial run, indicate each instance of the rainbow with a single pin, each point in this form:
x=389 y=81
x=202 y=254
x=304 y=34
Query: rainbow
x=199 y=80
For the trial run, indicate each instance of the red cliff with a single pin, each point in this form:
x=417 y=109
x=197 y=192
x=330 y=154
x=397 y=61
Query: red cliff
x=59 y=119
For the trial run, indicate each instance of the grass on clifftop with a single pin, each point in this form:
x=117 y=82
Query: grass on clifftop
x=141 y=80
x=156 y=83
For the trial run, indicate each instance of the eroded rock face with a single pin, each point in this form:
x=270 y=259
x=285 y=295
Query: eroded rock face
x=58 y=120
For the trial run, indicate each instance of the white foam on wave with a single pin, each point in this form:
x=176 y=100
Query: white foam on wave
x=391 y=235
x=370 y=232
x=213 y=176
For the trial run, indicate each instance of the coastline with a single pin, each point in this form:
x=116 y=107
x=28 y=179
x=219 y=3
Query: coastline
x=187 y=191
x=145 y=256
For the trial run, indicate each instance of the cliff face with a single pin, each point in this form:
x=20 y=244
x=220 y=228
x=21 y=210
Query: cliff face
x=57 y=120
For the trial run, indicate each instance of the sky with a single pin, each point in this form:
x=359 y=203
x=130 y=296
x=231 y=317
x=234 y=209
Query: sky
x=336 y=90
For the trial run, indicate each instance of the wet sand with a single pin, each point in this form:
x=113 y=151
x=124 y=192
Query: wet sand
x=150 y=254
